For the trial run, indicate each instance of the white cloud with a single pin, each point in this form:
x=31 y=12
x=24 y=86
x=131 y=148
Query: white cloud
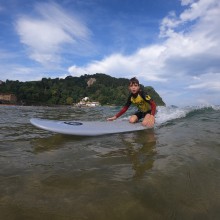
x=207 y=82
x=189 y=51
x=19 y=72
x=46 y=35
x=186 y=2
x=143 y=63
x=43 y=38
x=197 y=9
x=191 y=47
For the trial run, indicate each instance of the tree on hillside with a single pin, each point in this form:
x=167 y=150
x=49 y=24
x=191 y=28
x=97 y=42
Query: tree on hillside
x=105 y=89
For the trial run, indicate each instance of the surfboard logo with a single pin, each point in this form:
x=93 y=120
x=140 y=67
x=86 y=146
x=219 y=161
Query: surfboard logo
x=74 y=123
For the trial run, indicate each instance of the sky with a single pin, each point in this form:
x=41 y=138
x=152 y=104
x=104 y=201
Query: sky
x=171 y=45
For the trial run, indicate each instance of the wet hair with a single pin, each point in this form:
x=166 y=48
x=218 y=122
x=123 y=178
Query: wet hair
x=133 y=80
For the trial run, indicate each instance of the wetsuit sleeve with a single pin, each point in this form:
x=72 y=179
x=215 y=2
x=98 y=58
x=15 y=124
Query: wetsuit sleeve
x=125 y=108
x=148 y=99
x=153 y=107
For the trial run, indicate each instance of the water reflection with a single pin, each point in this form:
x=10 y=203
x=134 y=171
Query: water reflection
x=141 y=151
x=53 y=142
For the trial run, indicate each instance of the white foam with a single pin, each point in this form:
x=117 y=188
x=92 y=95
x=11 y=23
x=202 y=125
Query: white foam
x=165 y=114
x=216 y=107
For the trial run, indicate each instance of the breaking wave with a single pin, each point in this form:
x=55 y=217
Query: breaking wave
x=166 y=114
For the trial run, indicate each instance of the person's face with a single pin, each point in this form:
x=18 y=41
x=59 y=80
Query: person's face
x=134 y=88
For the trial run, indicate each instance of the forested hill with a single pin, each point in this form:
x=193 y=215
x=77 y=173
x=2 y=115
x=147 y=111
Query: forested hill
x=98 y=87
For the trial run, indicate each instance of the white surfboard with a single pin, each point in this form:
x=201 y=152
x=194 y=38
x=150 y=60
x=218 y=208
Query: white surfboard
x=86 y=128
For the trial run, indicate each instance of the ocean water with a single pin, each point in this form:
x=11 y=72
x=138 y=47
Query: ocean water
x=169 y=172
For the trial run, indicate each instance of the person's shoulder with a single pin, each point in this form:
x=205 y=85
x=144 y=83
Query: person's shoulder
x=128 y=100
x=129 y=97
x=142 y=93
x=145 y=95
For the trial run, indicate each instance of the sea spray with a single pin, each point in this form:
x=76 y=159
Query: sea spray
x=166 y=114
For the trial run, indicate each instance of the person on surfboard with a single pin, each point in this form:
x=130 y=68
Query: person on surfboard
x=146 y=106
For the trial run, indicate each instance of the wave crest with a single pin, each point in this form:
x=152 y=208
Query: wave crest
x=166 y=114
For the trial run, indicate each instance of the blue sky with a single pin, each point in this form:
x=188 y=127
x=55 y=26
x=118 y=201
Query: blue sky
x=172 y=45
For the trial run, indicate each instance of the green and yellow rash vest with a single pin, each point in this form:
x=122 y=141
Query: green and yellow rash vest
x=143 y=102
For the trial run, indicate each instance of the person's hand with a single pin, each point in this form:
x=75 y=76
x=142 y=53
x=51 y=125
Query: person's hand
x=148 y=121
x=112 y=118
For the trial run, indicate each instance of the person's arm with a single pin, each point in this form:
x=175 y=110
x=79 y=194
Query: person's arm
x=122 y=111
x=153 y=107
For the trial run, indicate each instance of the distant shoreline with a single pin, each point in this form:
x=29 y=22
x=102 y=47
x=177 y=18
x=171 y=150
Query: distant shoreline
x=8 y=105
x=55 y=105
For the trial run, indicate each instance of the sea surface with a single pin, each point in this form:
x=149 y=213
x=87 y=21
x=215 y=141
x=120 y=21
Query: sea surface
x=169 y=172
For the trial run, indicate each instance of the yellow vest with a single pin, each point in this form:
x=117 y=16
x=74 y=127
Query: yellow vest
x=141 y=104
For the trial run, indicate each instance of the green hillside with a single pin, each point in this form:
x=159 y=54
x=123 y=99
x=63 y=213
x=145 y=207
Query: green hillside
x=98 y=87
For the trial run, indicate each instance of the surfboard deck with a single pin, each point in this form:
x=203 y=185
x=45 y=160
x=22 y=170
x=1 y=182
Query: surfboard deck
x=86 y=128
